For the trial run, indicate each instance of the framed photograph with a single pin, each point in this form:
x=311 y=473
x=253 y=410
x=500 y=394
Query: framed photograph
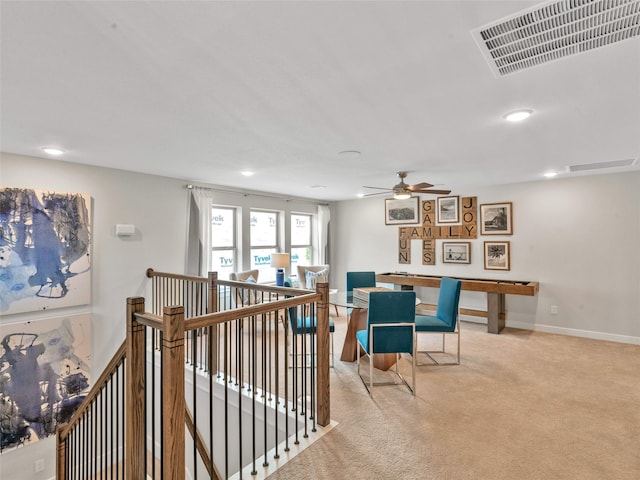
x=397 y=212
x=497 y=256
x=496 y=219
x=448 y=209
x=456 y=252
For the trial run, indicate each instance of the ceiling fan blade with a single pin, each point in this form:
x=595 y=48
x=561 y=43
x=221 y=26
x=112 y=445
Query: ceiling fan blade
x=379 y=188
x=374 y=194
x=435 y=192
x=419 y=186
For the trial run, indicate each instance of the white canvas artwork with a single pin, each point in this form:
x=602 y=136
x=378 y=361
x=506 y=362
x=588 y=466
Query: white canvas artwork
x=45 y=258
x=44 y=376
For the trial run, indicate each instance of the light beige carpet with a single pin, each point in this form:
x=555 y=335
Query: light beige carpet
x=522 y=405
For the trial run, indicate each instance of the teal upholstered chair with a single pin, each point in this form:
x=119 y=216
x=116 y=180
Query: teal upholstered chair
x=445 y=320
x=390 y=329
x=304 y=326
x=359 y=279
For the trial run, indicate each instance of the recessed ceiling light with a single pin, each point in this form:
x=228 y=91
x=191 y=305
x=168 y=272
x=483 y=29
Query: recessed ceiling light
x=349 y=153
x=360 y=195
x=518 y=115
x=52 y=150
x=550 y=174
x=247 y=173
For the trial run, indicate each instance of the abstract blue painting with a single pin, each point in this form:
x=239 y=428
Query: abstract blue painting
x=45 y=240
x=44 y=376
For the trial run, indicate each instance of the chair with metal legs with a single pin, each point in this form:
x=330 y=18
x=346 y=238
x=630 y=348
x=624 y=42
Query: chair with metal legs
x=446 y=320
x=390 y=329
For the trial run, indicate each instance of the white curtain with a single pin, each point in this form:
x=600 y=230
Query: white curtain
x=324 y=215
x=198 y=233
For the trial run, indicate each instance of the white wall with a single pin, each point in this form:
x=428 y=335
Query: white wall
x=578 y=237
x=157 y=206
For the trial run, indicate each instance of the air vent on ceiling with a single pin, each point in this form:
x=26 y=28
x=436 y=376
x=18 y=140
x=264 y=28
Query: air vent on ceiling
x=555 y=30
x=598 y=165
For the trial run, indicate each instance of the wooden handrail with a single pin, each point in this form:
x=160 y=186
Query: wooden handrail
x=191 y=278
x=132 y=355
x=264 y=287
x=109 y=370
x=149 y=320
x=202 y=321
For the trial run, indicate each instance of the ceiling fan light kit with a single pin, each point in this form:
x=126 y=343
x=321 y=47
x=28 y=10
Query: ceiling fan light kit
x=401 y=195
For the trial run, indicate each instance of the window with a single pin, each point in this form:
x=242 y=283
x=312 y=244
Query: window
x=243 y=236
x=223 y=241
x=264 y=241
x=301 y=245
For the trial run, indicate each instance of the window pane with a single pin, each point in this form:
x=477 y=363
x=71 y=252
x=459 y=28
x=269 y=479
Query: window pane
x=261 y=260
x=222 y=227
x=299 y=256
x=300 y=229
x=223 y=262
x=263 y=228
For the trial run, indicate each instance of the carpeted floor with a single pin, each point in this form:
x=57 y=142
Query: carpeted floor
x=522 y=405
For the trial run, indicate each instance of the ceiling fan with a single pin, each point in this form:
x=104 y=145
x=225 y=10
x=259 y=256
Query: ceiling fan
x=402 y=191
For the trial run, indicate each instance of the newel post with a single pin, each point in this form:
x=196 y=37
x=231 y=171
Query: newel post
x=135 y=453
x=324 y=395
x=173 y=404
x=61 y=454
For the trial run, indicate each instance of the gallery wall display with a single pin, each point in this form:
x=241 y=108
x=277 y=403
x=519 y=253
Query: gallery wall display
x=431 y=230
x=454 y=218
x=45 y=240
x=45 y=368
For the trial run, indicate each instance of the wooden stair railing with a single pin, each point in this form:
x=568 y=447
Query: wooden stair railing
x=132 y=356
x=63 y=431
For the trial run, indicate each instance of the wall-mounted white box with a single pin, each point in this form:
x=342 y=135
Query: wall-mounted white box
x=123 y=229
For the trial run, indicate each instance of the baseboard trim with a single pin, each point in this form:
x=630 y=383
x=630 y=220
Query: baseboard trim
x=572 y=332
x=575 y=332
x=466 y=318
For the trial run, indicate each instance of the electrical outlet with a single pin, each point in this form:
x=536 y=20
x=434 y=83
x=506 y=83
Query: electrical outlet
x=554 y=309
x=39 y=465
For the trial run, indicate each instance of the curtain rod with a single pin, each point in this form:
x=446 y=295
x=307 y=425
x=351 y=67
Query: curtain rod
x=190 y=186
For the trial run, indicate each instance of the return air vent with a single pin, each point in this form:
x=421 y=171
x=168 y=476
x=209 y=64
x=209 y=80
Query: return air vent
x=598 y=165
x=554 y=30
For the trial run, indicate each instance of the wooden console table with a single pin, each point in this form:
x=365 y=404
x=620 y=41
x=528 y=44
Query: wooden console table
x=496 y=291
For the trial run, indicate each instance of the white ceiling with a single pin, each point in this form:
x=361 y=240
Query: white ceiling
x=201 y=90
